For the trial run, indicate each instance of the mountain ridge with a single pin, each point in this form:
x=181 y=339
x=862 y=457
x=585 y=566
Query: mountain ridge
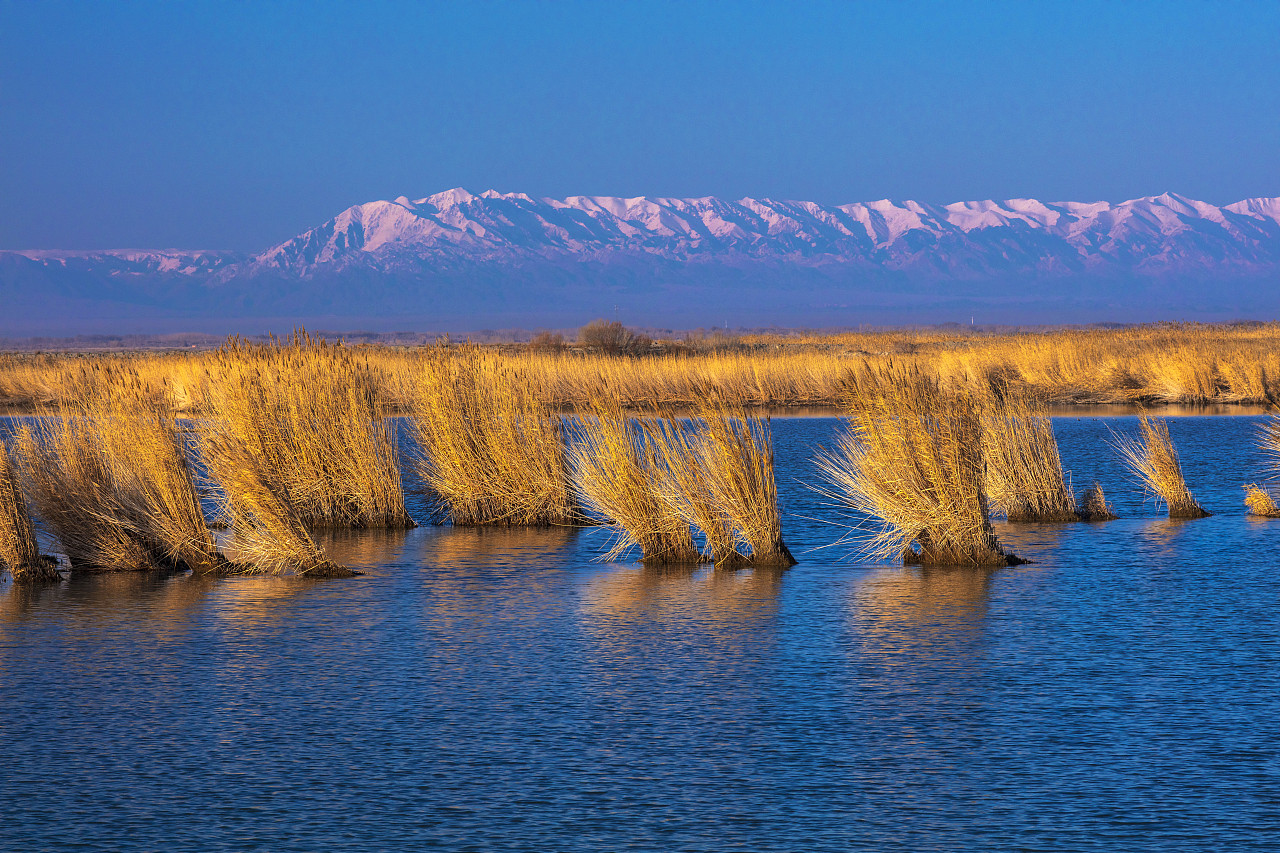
x=456 y=258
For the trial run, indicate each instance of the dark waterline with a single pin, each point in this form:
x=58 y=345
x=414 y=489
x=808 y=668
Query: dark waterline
x=503 y=690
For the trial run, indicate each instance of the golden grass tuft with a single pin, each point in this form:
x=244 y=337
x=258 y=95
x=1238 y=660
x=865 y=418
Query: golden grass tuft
x=19 y=552
x=622 y=471
x=489 y=449
x=1154 y=461
x=715 y=472
x=1093 y=505
x=1261 y=501
x=310 y=414
x=270 y=536
x=1024 y=476
x=110 y=477
x=913 y=460
x=734 y=460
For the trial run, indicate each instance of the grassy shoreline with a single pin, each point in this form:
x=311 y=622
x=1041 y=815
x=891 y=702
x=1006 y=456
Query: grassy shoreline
x=1195 y=365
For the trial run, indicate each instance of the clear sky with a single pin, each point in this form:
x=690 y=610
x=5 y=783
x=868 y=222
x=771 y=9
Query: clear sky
x=237 y=125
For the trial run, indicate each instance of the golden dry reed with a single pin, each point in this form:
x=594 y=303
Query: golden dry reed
x=734 y=460
x=715 y=472
x=913 y=462
x=312 y=416
x=622 y=475
x=1024 y=476
x=269 y=534
x=19 y=553
x=489 y=450
x=1153 y=460
x=1093 y=505
x=1151 y=365
x=110 y=476
x=1261 y=499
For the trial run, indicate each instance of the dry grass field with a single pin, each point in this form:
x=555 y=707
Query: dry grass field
x=1155 y=364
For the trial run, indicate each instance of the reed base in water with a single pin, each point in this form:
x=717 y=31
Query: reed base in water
x=44 y=570
x=1191 y=510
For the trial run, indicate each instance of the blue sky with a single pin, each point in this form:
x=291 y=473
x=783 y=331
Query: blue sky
x=235 y=125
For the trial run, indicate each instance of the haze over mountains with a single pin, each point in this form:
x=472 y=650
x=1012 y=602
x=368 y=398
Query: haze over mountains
x=456 y=261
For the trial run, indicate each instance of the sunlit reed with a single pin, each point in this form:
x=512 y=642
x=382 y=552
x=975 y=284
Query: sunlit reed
x=19 y=552
x=489 y=450
x=311 y=415
x=1153 y=460
x=110 y=477
x=912 y=462
x=1024 y=475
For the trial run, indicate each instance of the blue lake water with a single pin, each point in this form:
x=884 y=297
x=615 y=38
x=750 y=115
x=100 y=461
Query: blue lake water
x=504 y=690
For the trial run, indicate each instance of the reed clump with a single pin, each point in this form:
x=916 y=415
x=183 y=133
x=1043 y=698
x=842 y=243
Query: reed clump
x=715 y=472
x=490 y=450
x=734 y=460
x=1261 y=501
x=623 y=473
x=110 y=476
x=1153 y=460
x=1024 y=475
x=311 y=416
x=19 y=552
x=1093 y=505
x=270 y=536
x=913 y=461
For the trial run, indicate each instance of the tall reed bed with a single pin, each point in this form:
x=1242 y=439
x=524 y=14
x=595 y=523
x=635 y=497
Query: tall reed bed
x=19 y=552
x=1153 y=460
x=310 y=418
x=490 y=450
x=1154 y=364
x=913 y=462
x=110 y=477
x=1024 y=474
x=659 y=480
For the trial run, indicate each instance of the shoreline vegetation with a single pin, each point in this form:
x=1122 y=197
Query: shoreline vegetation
x=1185 y=364
x=133 y=459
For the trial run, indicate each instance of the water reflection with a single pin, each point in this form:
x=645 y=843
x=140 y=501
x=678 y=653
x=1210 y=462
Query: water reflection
x=924 y=617
x=695 y=596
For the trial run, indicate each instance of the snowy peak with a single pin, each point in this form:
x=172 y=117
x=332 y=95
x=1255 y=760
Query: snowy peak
x=972 y=237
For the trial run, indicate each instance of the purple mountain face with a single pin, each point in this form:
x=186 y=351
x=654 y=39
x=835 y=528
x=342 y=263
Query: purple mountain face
x=456 y=260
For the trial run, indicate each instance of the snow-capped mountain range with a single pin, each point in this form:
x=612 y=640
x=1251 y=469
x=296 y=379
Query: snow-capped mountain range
x=507 y=259
x=965 y=237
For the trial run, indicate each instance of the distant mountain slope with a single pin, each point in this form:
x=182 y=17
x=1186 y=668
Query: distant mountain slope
x=457 y=260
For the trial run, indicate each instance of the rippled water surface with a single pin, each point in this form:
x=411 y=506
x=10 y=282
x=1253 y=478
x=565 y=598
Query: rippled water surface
x=489 y=690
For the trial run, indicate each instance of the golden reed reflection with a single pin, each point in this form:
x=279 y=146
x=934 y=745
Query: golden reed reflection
x=144 y=611
x=909 y=616
x=625 y=606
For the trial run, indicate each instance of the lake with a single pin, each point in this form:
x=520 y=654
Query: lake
x=504 y=690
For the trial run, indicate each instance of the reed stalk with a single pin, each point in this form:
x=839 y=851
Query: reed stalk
x=1024 y=475
x=19 y=551
x=489 y=449
x=310 y=414
x=734 y=460
x=1261 y=501
x=110 y=477
x=270 y=536
x=1153 y=460
x=623 y=475
x=1093 y=505
x=913 y=462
